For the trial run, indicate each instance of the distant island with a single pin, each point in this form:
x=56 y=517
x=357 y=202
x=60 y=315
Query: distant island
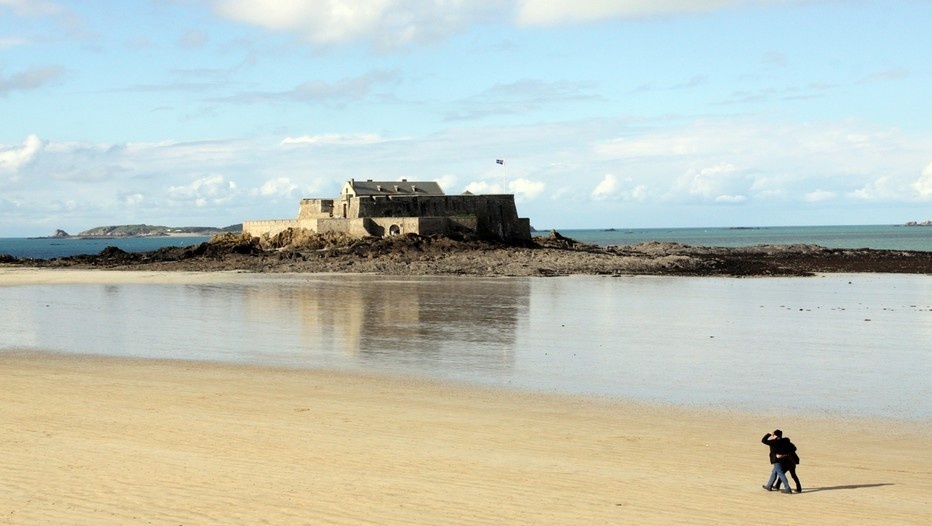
x=147 y=231
x=919 y=223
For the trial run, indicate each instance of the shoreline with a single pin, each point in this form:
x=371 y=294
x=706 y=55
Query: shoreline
x=90 y=439
x=555 y=255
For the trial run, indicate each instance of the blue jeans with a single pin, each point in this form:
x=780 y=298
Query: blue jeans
x=777 y=471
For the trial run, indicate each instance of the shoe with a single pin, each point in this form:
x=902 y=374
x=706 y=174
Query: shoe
x=766 y=487
x=787 y=491
x=799 y=490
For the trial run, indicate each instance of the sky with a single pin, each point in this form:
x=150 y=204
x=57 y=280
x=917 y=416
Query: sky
x=606 y=113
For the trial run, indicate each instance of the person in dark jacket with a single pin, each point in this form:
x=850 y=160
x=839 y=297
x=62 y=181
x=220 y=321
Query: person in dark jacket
x=779 y=448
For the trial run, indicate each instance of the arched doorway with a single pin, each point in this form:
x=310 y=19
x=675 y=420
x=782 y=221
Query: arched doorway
x=394 y=230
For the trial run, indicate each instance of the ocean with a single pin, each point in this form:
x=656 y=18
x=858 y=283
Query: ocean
x=49 y=248
x=892 y=237
x=833 y=345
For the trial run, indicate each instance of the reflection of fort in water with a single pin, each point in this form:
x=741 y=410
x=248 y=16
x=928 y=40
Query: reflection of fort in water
x=470 y=323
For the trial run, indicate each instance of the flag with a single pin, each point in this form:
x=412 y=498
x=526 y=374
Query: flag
x=500 y=161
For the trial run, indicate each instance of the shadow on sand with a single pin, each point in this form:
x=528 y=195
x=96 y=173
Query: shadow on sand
x=853 y=486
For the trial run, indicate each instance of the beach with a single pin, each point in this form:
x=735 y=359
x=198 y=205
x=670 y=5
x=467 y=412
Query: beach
x=90 y=440
x=94 y=439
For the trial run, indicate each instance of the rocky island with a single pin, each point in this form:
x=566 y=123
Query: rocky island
x=143 y=230
x=298 y=250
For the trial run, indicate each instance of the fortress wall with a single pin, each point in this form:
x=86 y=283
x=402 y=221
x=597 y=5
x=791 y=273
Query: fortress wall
x=270 y=227
x=495 y=215
x=425 y=226
x=315 y=209
x=353 y=227
x=492 y=216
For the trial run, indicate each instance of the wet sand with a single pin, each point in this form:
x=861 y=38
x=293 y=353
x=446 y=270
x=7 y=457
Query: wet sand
x=89 y=440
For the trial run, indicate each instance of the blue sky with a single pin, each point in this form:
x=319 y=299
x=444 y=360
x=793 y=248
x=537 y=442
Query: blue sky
x=608 y=113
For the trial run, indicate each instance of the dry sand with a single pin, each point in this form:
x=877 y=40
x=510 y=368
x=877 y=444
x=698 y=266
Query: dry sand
x=105 y=441
x=91 y=440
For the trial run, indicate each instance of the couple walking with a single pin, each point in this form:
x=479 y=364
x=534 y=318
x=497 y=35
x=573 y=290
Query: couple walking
x=783 y=458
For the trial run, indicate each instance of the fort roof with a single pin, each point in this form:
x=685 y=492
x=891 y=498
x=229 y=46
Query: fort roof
x=403 y=187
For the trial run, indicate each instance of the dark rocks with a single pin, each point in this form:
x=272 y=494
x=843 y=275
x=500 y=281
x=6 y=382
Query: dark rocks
x=553 y=255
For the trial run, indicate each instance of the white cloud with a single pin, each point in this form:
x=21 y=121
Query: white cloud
x=924 y=184
x=880 y=189
x=606 y=188
x=717 y=183
x=447 y=182
x=278 y=186
x=387 y=24
x=526 y=190
x=392 y=24
x=550 y=12
x=483 y=187
x=819 y=196
x=13 y=158
x=211 y=190
x=334 y=139
x=610 y=187
x=552 y=169
x=523 y=189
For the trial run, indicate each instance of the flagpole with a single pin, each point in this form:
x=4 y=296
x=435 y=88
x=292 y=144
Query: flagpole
x=504 y=175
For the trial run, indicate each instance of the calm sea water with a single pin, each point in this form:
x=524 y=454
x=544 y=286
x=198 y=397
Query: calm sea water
x=838 y=345
x=892 y=237
x=870 y=236
x=48 y=248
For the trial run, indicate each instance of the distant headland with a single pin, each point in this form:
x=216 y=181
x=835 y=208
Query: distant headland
x=112 y=231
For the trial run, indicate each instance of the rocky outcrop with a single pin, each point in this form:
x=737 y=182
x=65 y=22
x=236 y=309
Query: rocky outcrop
x=552 y=255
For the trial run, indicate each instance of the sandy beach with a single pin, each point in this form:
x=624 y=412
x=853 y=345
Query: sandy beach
x=105 y=441
x=101 y=440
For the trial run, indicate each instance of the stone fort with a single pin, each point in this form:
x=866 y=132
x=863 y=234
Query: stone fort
x=386 y=208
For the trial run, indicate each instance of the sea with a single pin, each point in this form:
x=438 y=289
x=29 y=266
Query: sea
x=832 y=345
x=893 y=237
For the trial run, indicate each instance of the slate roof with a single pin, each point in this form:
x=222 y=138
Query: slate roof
x=405 y=188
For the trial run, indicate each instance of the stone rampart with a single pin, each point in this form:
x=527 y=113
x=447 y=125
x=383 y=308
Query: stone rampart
x=491 y=216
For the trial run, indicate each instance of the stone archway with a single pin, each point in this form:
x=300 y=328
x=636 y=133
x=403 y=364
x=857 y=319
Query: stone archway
x=394 y=230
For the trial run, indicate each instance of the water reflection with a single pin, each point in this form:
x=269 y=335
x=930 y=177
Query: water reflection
x=431 y=323
x=337 y=321
x=848 y=344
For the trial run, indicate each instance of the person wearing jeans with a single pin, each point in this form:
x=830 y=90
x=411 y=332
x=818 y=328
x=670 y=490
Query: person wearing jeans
x=779 y=447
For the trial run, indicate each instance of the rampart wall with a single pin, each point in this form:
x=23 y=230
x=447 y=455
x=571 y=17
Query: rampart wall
x=492 y=216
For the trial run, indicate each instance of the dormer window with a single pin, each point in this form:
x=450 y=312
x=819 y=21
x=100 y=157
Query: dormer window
x=378 y=187
x=396 y=188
